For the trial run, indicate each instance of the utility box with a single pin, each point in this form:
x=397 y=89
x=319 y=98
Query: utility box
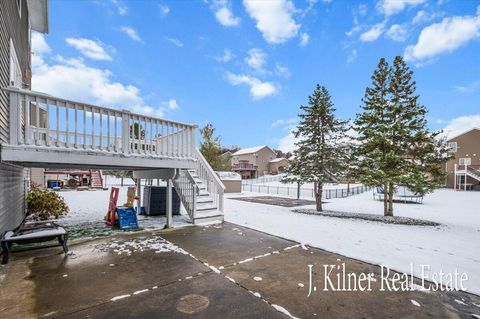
x=155 y=201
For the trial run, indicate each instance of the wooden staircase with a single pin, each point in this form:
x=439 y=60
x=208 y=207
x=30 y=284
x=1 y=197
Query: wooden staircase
x=96 y=179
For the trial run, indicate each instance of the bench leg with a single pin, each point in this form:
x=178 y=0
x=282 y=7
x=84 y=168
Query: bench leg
x=63 y=241
x=6 y=252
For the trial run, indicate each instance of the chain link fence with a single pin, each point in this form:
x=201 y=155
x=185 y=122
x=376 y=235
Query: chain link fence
x=289 y=191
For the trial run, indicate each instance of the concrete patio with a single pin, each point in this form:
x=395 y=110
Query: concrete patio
x=217 y=271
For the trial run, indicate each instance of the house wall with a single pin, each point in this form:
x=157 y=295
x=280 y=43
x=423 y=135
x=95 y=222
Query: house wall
x=14 y=182
x=468 y=145
x=15 y=27
x=13 y=179
x=279 y=166
x=260 y=158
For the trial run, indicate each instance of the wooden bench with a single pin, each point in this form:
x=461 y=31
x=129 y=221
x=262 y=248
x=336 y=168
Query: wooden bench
x=33 y=233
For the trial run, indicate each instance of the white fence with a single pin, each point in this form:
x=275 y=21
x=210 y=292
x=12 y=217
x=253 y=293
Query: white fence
x=289 y=191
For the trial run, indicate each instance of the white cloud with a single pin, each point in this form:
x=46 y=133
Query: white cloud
x=131 y=33
x=122 y=10
x=373 y=33
x=469 y=88
x=74 y=79
x=304 y=38
x=461 y=124
x=171 y=104
x=164 y=9
x=444 y=37
x=282 y=70
x=39 y=45
x=397 y=32
x=274 y=19
x=362 y=9
x=256 y=59
x=422 y=16
x=389 y=7
x=227 y=56
x=89 y=48
x=282 y=122
x=353 y=56
x=258 y=89
x=287 y=143
x=224 y=14
x=177 y=42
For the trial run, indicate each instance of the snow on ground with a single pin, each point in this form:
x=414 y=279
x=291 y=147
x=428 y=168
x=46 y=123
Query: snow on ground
x=454 y=245
x=88 y=208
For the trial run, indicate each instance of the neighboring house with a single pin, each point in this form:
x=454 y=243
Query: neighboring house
x=463 y=172
x=252 y=162
x=17 y=19
x=277 y=165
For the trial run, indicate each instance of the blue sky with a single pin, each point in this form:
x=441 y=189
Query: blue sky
x=246 y=66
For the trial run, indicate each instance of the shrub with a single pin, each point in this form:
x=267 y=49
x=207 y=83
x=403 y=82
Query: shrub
x=43 y=204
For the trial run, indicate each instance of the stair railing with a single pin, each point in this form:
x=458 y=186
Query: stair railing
x=188 y=190
x=214 y=185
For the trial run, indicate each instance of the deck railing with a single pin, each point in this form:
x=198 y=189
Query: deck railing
x=38 y=119
x=214 y=185
x=244 y=166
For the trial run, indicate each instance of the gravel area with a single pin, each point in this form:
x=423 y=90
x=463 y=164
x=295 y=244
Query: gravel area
x=370 y=217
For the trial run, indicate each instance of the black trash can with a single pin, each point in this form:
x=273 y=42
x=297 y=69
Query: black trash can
x=155 y=201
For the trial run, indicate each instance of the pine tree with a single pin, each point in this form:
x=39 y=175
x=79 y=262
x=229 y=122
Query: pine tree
x=395 y=146
x=319 y=152
x=210 y=146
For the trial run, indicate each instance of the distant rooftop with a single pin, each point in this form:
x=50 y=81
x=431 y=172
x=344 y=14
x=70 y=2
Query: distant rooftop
x=249 y=150
x=275 y=160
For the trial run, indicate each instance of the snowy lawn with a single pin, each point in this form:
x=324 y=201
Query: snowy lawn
x=454 y=245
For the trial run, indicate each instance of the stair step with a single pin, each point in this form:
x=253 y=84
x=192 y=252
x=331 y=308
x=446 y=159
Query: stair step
x=208 y=217
x=204 y=199
x=201 y=207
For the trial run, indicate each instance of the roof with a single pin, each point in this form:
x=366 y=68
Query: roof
x=38 y=14
x=251 y=150
x=276 y=160
x=467 y=131
x=229 y=176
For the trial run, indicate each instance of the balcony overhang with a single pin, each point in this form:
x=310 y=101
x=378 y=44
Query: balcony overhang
x=38 y=14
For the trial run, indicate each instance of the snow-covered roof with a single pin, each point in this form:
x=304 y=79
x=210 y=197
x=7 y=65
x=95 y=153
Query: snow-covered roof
x=249 y=150
x=229 y=176
x=276 y=160
x=467 y=131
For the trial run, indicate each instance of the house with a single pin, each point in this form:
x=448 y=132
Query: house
x=253 y=162
x=17 y=19
x=39 y=130
x=463 y=172
x=277 y=165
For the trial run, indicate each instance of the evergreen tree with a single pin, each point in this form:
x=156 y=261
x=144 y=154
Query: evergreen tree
x=210 y=146
x=395 y=146
x=319 y=153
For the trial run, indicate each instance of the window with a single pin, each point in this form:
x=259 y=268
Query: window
x=452 y=147
x=465 y=161
x=15 y=71
x=19 y=7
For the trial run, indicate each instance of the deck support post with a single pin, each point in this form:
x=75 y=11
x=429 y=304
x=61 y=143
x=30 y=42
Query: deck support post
x=169 y=204
x=139 y=194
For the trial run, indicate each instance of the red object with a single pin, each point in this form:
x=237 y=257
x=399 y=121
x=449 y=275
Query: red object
x=112 y=206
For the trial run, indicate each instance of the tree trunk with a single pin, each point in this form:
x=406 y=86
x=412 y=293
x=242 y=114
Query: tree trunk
x=298 y=190
x=121 y=181
x=391 y=189
x=385 y=199
x=318 y=189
